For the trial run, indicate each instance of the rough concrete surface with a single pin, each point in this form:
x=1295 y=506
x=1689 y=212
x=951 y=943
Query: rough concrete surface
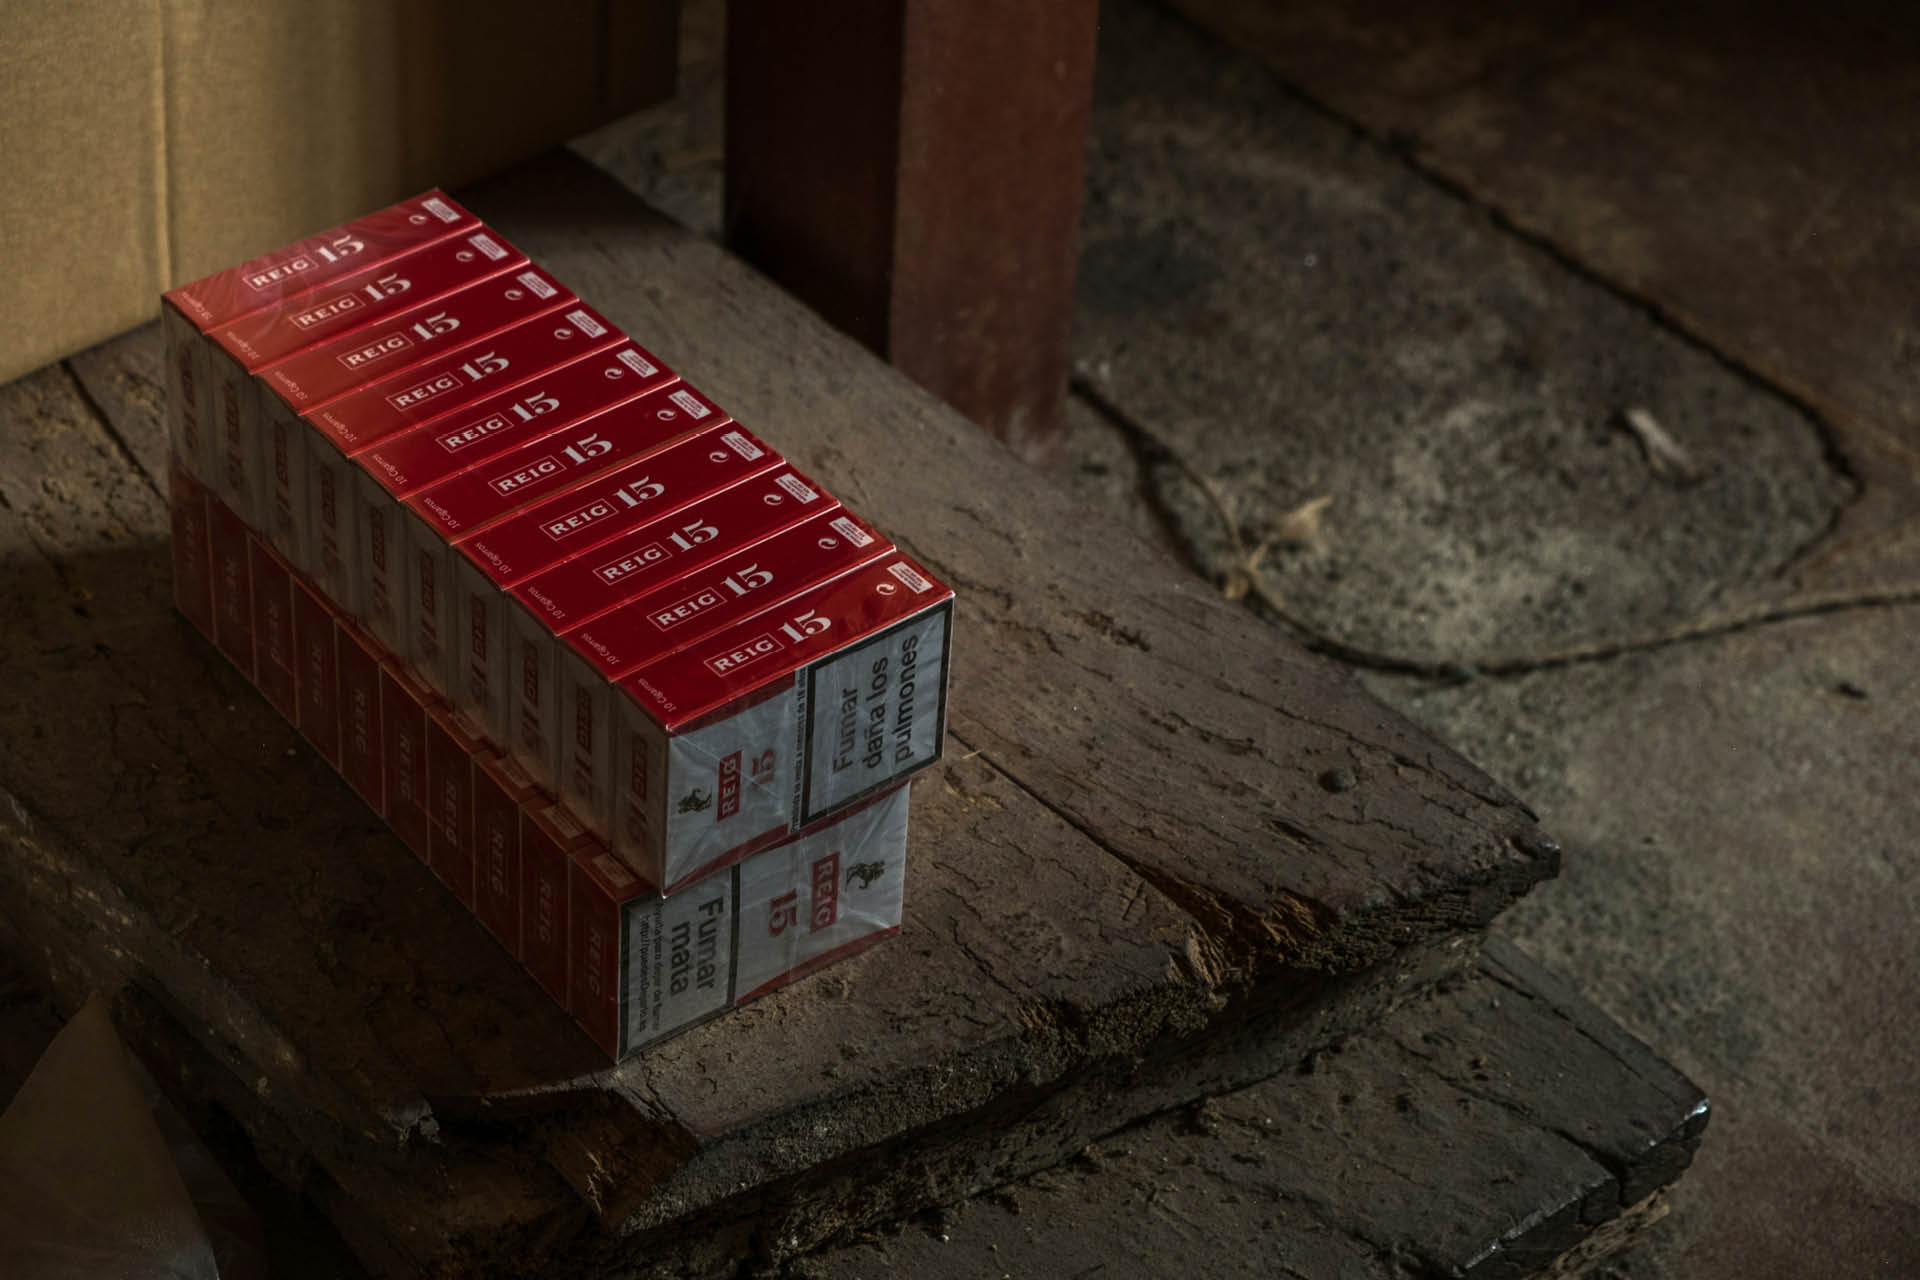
x=1296 y=314
x=1739 y=889
x=1275 y=302
x=1750 y=168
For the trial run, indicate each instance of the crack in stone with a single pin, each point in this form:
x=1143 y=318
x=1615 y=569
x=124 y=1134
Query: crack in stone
x=1151 y=450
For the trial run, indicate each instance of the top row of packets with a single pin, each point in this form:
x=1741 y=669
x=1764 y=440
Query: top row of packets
x=689 y=641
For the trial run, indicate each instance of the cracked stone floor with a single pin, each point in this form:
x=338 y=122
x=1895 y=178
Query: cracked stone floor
x=1424 y=271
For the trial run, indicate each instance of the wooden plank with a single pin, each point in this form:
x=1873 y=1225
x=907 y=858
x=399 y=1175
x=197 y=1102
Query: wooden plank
x=166 y=833
x=1075 y=954
x=1490 y=1130
x=912 y=169
x=1180 y=734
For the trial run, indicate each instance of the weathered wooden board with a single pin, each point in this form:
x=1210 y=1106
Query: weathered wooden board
x=1488 y=1130
x=1136 y=880
x=1182 y=736
x=1498 y=1126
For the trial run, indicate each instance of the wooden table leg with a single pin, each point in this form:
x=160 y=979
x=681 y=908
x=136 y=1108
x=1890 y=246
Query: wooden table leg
x=912 y=169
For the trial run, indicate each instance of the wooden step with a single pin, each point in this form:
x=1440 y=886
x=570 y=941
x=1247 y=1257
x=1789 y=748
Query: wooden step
x=1166 y=851
x=1500 y=1127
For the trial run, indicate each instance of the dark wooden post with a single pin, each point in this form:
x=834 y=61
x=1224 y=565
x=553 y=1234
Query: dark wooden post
x=912 y=170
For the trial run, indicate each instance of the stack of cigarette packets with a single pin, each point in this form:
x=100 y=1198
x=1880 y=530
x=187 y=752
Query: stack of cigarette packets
x=642 y=694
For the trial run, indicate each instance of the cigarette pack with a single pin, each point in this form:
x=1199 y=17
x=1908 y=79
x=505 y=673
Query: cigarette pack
x=317 y=682
x=737 y=742
x=657 y=553
x=192 y=550
x=404 y=704
x=274 y=657
x=231 y=583
x=357 y=663
x=420 y=395
x=467 y=503
x=367 y=241
x=650 y=482
x=455 y=750
x=501 y=789
x=561 y=396
x=246 y=346
x=220 y=299
x=321 y=374
x=410 y=463
x=645 y=968
x=548 y=838
x=572 y=720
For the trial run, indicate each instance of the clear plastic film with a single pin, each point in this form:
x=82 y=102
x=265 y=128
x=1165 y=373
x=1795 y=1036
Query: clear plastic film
x=100 y=1180
x=776 y=917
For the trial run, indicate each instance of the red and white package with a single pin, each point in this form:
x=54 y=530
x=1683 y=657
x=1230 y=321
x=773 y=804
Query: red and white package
x=652 y=482
x=572 y=721
x=419 y=459
x=321 y=374
x=357 y=664
x=248 y=345
x=231 y=562
x=736 y=742
x=455 y=749
x=404 y=704
x=185 y=367
x=420 y=395
x=645 y=968
x=274 y=656
x=226 y=296
x=317 y=679
x=477 y=498
x=657 y=553
x=366 y=241
x=501 y=789
x=548 y=838
x=415 y=461
x=572 y=592
x=192 y=551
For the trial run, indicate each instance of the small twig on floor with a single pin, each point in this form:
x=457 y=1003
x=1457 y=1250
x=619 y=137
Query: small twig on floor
x=1669 y=460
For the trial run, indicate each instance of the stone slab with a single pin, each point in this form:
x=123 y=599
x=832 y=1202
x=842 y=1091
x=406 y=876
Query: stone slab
x=1748 y=172
x=1300 y=315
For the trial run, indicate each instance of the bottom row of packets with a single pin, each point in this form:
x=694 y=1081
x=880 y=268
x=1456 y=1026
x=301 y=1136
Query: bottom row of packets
x=631 y=966
x=643 y=967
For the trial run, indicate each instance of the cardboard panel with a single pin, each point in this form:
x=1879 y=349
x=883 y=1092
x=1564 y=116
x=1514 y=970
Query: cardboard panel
x=84 y=247
x=167 y=140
